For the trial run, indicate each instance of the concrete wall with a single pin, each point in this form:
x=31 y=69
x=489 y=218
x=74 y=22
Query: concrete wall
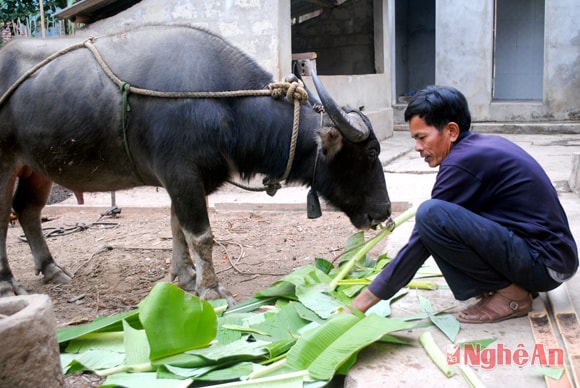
x=259 y=27
x=464 y=40
x=562 y=59
x=464 y=55
x=464 y=59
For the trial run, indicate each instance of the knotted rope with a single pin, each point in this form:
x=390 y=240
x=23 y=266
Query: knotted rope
x=293 y=91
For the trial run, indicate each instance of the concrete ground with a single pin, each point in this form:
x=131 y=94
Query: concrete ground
x=409 y=181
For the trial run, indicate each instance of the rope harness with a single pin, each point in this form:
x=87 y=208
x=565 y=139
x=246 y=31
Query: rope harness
x=293 y=91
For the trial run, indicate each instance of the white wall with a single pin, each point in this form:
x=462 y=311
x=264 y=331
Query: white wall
x=464 y=40
x=266 y=38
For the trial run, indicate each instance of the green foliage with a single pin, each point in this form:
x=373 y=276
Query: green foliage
x=175 y=321
x=300 y=338
x=11 y=10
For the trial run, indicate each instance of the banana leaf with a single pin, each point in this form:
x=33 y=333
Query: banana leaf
x=91 y=360
x=353 y=243
x=175 y=321
x=316 y=298
x=283 y=325
x=104 y=341
x=136 y=345
x=303 y=276
x=323 y=265
x=252 y=304
x=100 y=324
x=383 y=308
x=447 y=323
x=322 y=351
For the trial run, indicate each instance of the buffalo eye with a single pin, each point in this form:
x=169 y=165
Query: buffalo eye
x=373 y=154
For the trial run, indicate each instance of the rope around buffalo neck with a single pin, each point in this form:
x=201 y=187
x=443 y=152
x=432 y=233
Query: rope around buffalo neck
x=294 y=92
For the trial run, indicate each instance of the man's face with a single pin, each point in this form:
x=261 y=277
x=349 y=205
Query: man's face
x=432 y=145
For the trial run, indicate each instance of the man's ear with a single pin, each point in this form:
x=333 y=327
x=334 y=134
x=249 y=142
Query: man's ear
x=453 y=131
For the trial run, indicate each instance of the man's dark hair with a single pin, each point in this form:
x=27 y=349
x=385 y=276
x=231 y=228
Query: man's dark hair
x=438 y=106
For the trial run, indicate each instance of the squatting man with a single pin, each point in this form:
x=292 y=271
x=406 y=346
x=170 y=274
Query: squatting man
x=494 y=223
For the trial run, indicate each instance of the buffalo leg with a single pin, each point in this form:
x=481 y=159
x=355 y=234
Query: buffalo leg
x=181 y=264
x=29 y=199
x=208 y=285
x=8 y=284
x=200 y=244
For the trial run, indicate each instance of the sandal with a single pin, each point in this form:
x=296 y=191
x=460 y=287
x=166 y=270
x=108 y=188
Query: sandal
x=510 y=302
x=481 y=300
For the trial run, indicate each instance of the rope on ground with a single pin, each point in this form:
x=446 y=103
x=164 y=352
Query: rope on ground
x=223 y=245
x=79 y=227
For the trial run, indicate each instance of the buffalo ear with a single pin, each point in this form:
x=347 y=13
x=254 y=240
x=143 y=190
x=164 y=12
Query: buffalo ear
x=330 y=141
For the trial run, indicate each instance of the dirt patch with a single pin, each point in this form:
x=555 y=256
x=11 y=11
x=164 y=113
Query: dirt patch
x=116 y=261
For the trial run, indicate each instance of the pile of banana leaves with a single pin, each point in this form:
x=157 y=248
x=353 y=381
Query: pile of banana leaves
x=293 y=334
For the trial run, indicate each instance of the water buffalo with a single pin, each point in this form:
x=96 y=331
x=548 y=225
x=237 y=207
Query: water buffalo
x=71 y=124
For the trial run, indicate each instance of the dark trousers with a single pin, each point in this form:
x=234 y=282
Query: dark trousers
x=477 y=255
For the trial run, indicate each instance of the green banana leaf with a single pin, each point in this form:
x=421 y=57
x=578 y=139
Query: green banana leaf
x=323 y=265
x=100 y=324
x=93 y=359
x=323 y=350
x=175 y=321
x=284 y=324
x=383 y=308
x=447 y=323
x=105 y=341
x=136 y=345
x=303 y=276
x=316 y=298
x=353 y=243
x=553 y=373
x=234 y=372
x=250 y=305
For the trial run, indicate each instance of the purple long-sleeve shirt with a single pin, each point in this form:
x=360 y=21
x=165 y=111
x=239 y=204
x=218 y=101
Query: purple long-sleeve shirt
x=495 y=178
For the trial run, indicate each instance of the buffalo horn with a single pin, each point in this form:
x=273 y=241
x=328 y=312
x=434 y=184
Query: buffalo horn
x=350 y=125
x=312 y=98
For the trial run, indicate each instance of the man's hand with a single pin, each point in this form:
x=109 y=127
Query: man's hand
x=364 y=301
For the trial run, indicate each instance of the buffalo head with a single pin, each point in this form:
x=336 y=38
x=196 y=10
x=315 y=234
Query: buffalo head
x=349 y=174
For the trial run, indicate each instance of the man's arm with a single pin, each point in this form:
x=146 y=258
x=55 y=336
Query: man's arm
x=365 y=300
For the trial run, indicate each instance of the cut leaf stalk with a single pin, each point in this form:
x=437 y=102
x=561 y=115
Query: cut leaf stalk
x=408 y=214
x=267 y=370
x=146 y=367
x=436 y=355
x=422 y=285
x=470 y=377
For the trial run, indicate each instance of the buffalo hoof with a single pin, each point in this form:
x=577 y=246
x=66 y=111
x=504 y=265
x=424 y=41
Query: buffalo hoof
x=186 y=280
x=11 y=287
x=218 y=292
x=53 y=273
